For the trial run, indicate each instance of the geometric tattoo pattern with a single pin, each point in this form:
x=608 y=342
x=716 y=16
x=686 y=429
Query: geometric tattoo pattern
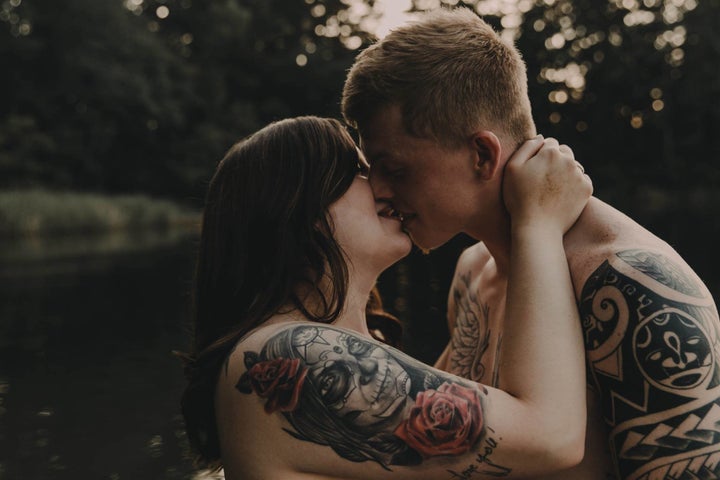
x=653 y=346
x=471 y=335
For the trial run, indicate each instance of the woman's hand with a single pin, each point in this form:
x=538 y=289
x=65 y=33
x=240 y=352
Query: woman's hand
x=545 y=190
x=545 y=186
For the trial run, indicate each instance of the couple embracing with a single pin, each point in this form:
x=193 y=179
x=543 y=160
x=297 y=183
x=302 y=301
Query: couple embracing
x=593 y=345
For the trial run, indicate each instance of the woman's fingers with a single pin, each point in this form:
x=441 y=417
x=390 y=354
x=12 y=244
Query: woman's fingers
x=526 y=151
x=549 y=187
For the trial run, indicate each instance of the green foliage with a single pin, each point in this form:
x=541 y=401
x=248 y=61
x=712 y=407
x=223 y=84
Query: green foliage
x=650 y=101
x=109 y=96
x=31 y=213
x=146 y=96
x=93 y=86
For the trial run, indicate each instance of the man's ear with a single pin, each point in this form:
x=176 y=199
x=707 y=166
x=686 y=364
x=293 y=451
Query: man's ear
x=488 y=151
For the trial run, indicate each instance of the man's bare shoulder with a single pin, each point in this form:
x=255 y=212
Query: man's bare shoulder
x=471 y=263
x=652 y=338
x=473 y=258
x=603 y=231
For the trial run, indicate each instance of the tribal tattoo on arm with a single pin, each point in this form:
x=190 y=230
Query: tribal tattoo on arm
x=367 y=401
x=653 y=345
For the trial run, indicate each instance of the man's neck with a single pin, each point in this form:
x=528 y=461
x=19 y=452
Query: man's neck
x=596 y=222
x=497 y=240
x=500 y=251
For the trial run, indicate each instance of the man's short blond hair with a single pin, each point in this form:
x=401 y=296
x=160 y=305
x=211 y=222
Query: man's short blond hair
x=450 y=73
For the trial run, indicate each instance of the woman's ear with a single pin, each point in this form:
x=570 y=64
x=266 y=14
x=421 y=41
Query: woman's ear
x=488 y=151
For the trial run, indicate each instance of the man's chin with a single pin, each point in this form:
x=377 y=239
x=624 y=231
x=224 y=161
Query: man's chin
x=419 y=243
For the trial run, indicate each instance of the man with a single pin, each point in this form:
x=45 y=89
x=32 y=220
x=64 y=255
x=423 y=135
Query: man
x=440 y=105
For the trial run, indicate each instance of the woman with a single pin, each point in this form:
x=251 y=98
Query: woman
x=287 y=382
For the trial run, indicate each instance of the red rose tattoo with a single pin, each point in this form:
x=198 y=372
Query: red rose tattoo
x=446 y=421
x=279 y=380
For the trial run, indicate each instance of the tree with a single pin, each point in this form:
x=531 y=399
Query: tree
x=147 y=96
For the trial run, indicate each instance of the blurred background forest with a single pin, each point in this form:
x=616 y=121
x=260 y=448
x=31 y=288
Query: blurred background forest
x=113 y=114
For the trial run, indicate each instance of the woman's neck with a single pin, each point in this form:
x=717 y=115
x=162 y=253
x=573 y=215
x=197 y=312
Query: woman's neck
x=352 y=315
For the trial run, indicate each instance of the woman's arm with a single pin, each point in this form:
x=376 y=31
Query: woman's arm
x=542 y=363
x=325 y=401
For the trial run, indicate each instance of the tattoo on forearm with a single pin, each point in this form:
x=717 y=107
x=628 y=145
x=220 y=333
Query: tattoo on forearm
x=471 y=336
x=652 y=342
x=483 y=464
x=365 y=400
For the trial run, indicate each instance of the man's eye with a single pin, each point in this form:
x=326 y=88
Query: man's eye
x=395 y=173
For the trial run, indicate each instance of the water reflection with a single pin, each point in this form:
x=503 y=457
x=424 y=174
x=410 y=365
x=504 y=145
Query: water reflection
x=88 y=385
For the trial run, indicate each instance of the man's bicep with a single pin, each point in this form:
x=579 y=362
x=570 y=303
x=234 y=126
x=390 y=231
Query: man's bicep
x=651 y=335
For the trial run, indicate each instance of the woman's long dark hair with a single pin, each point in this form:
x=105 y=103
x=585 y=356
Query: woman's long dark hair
x=265 y=233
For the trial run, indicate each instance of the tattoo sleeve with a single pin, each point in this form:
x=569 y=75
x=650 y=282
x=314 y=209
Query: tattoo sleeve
x=367 y=401
x=651 y=335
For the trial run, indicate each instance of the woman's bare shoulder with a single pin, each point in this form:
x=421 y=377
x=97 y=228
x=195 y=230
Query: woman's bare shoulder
x=248 y=427
x=272 y=402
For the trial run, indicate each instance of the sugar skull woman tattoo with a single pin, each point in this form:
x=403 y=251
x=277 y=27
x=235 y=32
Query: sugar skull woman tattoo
x=364 y=400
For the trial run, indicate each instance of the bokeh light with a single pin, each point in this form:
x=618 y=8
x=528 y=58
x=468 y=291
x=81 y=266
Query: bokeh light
x=162 y=12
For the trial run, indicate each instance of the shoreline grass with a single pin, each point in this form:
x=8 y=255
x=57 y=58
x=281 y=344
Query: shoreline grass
x=40 y=213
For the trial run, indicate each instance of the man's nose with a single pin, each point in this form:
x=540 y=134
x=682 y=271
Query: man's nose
x=381 y=188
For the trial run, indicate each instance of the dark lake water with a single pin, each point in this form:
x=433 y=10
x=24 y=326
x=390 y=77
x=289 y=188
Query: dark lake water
x=89 y=388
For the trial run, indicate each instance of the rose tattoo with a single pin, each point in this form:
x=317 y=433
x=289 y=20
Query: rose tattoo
x=365 y=401
x=446 y=421
x=279 y=380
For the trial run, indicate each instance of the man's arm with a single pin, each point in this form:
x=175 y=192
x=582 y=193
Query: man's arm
x=651 y=333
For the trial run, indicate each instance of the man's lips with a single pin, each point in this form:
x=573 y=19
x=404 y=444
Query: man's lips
x=389 y=212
